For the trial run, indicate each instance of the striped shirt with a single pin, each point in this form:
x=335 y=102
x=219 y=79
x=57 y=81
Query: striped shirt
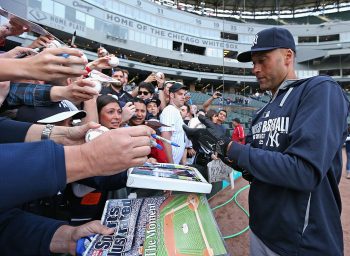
x=171 y=116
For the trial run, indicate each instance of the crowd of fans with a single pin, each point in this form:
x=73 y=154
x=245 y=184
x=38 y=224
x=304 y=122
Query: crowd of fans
x=54 y=183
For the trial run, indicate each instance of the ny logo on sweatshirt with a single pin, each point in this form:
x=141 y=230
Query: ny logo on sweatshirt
x=272 y=139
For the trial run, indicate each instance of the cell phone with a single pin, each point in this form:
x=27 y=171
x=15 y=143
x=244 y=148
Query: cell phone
x=219 y=94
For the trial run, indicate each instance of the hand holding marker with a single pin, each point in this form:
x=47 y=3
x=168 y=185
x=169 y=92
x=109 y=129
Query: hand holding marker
x=73 y=39
x=165 y=140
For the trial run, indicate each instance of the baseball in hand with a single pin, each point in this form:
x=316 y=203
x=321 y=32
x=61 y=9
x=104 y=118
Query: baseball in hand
x=77 y=66
x=94 y=133
x=97 y=84
x=103 y=52
x=113 y=62
x=159 y=75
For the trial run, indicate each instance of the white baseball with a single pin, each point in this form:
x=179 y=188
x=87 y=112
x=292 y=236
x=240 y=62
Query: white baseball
x=159 y=74
x=79 y=66
x=104 y=52
x=94 y=133
x=113 y=62
x=97 y=84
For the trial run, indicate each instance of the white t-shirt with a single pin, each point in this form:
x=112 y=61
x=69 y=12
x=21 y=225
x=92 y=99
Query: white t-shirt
x=171 y=116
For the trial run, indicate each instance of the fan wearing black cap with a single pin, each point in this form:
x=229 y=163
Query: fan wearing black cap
x=171 y=117
x=293 y=154
x=152 y=105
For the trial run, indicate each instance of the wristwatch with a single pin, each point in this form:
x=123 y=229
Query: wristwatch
x=45 y=134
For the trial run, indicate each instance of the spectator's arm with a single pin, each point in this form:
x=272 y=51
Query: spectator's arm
x=17 y=51
x=47 y=65
x=29 y=94
x=184 y=157
x=24 y=233
x=78 y=91
x=210 y=101
x=167 y=147
x=128 y=112
x=66 y=237
x=41 y=41
x=100 y=63
x=90 y=108
x=135 y=92
x=161 y=96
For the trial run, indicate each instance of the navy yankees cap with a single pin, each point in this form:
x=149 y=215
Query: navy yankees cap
x=269 y=39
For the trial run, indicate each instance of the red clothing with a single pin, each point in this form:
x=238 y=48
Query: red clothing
x=158 y=154
x=238 y=134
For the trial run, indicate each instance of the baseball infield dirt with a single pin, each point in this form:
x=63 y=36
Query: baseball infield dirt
x=231 y=219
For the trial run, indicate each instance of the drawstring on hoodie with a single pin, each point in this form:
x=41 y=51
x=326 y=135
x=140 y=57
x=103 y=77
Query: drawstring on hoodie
x=286 y=96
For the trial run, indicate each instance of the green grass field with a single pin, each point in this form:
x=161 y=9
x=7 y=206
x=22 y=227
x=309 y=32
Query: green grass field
x=190 y=241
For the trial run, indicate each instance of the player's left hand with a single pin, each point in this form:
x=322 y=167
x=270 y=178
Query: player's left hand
x=213 y=139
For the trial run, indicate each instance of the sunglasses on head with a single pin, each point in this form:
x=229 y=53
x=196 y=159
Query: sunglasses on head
x=143 y=92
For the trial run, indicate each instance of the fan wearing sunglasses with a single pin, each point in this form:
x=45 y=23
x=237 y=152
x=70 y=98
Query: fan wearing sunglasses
x=146 y=91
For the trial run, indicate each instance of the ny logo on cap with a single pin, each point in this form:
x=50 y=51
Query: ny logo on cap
x=255 y=41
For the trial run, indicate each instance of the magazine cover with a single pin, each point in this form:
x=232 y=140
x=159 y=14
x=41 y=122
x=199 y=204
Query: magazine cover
x=168 y=177
x=181 y=224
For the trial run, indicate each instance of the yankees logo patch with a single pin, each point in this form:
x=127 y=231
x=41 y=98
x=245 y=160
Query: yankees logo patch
x=255 y=41
x=272 y=139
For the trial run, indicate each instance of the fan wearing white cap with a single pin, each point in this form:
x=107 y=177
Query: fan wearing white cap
x=61 y=113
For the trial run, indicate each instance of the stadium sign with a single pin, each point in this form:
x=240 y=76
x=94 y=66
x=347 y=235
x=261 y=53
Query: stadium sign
x=54 y=21
x=82 y=6
x=172 y=35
